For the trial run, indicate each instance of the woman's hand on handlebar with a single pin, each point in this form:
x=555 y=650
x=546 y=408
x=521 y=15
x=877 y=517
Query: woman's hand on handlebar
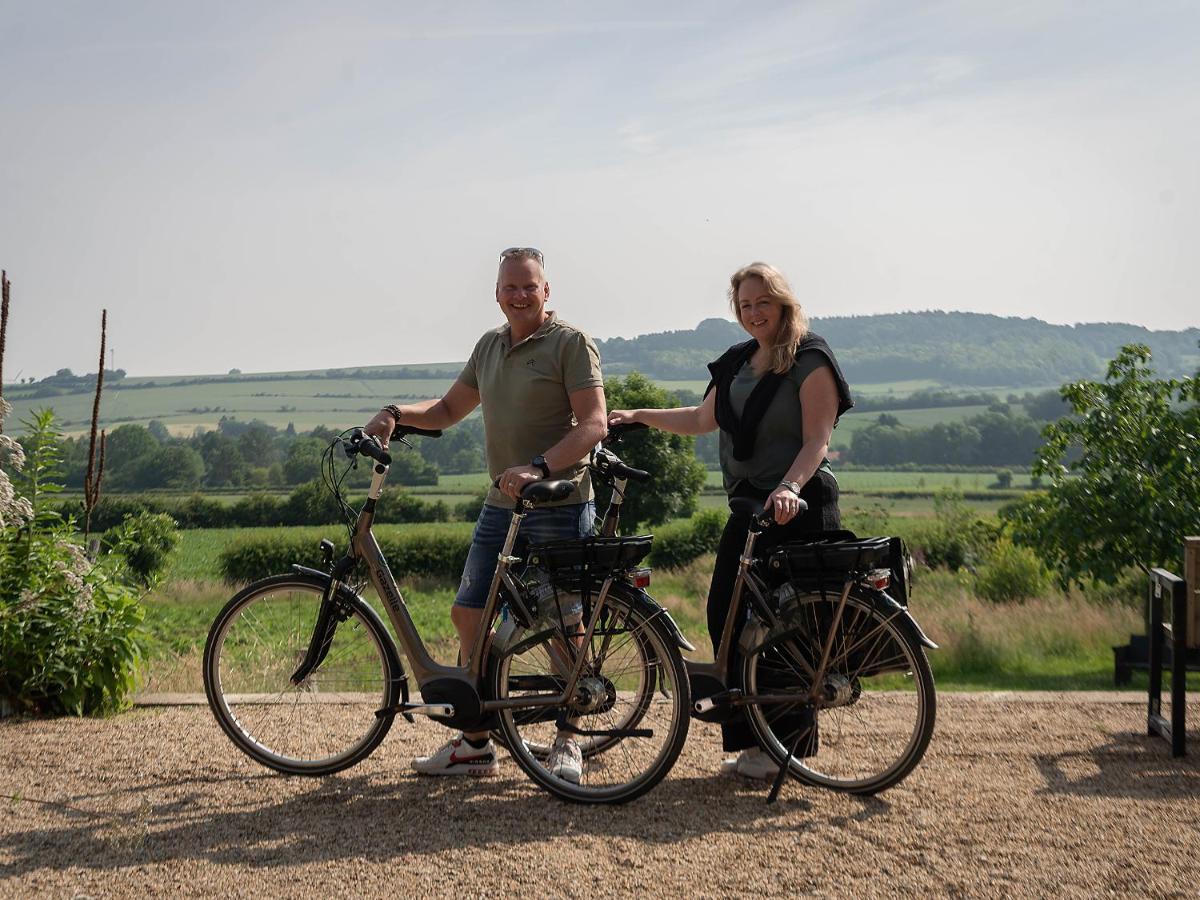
x=512 y=481
x=786 y=504
x=622 y=417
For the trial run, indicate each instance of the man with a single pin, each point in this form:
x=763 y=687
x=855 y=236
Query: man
x=539 y=381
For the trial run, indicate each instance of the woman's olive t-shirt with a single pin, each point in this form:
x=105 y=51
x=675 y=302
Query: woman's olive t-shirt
x=780 y=432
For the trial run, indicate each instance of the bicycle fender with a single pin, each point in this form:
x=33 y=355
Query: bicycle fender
x=368 y=611
x=895 y=606
x=650 y=606
x=655 y=609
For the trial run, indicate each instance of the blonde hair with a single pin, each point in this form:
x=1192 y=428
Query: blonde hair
x=793 y=323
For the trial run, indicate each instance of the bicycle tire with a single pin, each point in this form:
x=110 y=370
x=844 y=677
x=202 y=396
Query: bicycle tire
x=874 y=729
x=632 y=765
x=643 y=692
x=325 y=724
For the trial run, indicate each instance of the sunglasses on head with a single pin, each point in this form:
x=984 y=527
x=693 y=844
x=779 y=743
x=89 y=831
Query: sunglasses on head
x=523 y=253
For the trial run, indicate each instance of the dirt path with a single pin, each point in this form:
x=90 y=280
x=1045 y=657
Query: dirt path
x=1051 y=795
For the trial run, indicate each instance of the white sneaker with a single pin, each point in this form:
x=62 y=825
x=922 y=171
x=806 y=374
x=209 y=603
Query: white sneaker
x=565 y=760
x=752 y=763
x=457 y=757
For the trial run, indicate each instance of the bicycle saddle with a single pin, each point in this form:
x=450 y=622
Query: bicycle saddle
x=547 y=491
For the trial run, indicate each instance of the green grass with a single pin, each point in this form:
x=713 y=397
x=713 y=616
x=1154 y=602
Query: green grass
x=1054 y=642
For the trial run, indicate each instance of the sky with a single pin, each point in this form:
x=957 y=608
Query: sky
x=279 y=186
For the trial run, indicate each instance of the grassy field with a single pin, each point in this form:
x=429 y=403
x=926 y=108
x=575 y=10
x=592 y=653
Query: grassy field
x=340 y=402
x=1058 y=641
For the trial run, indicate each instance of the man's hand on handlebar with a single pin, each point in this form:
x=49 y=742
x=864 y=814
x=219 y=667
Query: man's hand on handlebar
x=380 y=427
x=512 y=481
x=622 y=417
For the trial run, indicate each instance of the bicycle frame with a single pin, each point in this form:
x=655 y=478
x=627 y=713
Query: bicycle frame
x=471 y=672
x=718 y=669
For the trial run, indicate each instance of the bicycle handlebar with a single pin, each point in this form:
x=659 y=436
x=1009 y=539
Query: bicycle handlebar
x=362 y=443
x=616 y=432
x=401 y=430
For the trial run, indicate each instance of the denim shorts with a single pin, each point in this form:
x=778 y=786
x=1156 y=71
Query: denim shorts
x=549 y=523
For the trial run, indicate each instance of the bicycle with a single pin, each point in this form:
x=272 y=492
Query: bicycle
x=303 y=676
x=827 y=693
x=559 y=580
x=833 y=677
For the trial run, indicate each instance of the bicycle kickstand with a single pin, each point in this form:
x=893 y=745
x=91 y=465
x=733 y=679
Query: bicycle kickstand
x=783 y=770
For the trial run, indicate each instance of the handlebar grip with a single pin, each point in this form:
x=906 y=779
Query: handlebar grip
x=617 y=431
x=624 y=471
x=369 y=447
x=402 y=430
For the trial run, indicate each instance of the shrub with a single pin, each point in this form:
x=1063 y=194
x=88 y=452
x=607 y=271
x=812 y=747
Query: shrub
x=956 y=539
x=439 y=552
x=69 y=628
x=678 y=544
x=1011 y=573
x=469 y=510
x=145 y=542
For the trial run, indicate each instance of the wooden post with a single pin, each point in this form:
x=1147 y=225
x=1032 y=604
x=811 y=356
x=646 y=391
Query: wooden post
x=1191 y=574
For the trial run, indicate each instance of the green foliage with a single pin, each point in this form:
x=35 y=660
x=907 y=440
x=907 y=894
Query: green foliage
x=415 y=551
x=469 y=510
x=1124 y=473
x=43 y=462
x=679 y=543
x=676 y=474
x=309 y=504
x=995 y=437
x=69 y=627
x=957 y=538
x=1010 y=572
x=145 y=541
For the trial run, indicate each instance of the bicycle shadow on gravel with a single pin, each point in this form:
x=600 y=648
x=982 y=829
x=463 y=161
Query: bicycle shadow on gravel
x=383 y=817
x=1130 y=765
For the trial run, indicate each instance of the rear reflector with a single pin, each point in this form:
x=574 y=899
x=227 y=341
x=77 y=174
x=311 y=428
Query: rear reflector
x=879 y=578
x=639 y=578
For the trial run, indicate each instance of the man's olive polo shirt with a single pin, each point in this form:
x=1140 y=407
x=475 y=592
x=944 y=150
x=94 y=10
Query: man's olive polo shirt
x=525 y=394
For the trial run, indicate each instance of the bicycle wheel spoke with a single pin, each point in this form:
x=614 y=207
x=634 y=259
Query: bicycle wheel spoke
x=325 y=722
x=872 y=715
x=621 y=665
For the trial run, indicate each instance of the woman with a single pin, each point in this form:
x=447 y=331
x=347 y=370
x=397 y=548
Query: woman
x=776 y=398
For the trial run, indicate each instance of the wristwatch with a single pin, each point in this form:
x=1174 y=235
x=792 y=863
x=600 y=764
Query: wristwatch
x=793 y=486
x=539 y=462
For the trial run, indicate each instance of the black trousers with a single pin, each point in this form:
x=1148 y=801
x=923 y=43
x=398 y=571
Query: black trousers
x=821 y=494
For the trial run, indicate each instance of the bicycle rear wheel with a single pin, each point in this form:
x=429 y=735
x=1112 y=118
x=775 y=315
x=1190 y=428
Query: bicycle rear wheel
x=639 y=684
x=633 y=679
x=325 y=723
x=874 y=716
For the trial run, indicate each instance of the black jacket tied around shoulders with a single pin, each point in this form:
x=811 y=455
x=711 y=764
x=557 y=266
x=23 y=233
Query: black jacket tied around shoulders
x=744 y=429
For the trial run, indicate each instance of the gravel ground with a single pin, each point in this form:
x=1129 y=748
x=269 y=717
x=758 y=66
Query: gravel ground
x=1020 y=795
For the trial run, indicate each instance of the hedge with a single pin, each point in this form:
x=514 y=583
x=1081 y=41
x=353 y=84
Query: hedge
x=306 y=505
x=440 y=551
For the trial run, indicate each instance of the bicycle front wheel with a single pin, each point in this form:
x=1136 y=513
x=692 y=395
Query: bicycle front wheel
x=325 y=723
x=871 y=718
x=630 y=712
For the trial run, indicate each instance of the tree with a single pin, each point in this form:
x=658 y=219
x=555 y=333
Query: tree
x=303 y=460
x=676 y=474
x=130 y=450
x=222 y=459
x=1124 y=473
